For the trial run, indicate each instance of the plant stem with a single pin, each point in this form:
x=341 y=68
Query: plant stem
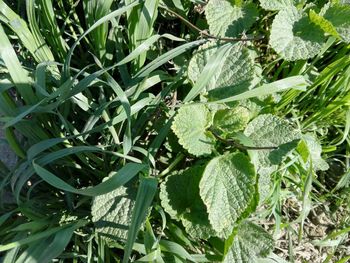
x=205 y=34
x=241 y=146
x=178 y=159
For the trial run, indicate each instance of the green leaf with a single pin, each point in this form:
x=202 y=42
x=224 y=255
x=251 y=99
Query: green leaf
x=294 y=36
x=118 y=179
x=99 y=22
x=145 y=194
x=323 y=23
x=19 y=75
x=140 y=24
x=268 y=130
x=187 y=206
x=111 y=213
x=249 y=243
x=34 y=42
x=231 y=120
x=227 y=189
x=225 y=19
x=209 y=71
x=46 y=250
x=40 y=235
x=295 y=82
x=338 y=15
x=315 y=151
x=190 y=125
x=276 y=5
x=234 y=75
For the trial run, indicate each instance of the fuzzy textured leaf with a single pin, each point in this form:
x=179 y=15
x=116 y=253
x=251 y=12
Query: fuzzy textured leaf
x=276 y=5
x=187 y=206
x=250 y=243
x=190 y=126
x=112 y=212
x=268 y=130
x=294 y=36
x=231 y=120
x=235 y=75
x=338 y=15
x=315 y=151
x=225 y=19
x=227 y=189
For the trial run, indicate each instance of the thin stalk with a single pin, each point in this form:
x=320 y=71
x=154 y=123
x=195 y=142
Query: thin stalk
x=172 y=165
x=240 y=146
x=204 y=33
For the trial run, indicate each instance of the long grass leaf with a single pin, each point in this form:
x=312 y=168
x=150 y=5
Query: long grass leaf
x=40 y=235
x=36 y=47
x=99 y=22
x=140 y=25
x=144 y=198
x=123 y=176
x=18 y=75
x=161 y=60
x=49 y=248
x=295 y=82
x=142 y=48
x=210 y=69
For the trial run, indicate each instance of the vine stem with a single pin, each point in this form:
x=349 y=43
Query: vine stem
x=241 y=146
x=205 y=34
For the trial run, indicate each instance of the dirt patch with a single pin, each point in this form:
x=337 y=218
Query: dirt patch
x=7 y=156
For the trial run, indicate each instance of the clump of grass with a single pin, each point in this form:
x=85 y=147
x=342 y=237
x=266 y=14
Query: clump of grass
x=92 y=88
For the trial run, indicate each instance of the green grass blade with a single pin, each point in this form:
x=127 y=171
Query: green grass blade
x=295 y=82
x=19 y=117
x=99 y=22
x=161 y=60
x=18 y=75
x=96 y=9
x=45 y=52
x=57 y=43
x=210 y=69
x=140 y=26
x=13 y=143
x=39 y=236
x=49 y=248
x=176 y=249
x=123 y=176
x=144 y=198
x=142 y=48
x=127 y=140
x=38 y=49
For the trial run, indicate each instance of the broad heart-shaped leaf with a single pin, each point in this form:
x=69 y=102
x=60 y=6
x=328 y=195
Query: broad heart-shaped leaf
x=112 y=212
x=227 y=188
x=180 y=198
x=235 y=75
x=225 y=19
x=268 y=130
x=231 y=120
x=275 y=5
x=339 y=15
x=190 y=126
x=249 y=243
x=294 y=36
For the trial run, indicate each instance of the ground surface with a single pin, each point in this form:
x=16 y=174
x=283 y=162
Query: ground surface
x=6 y=155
